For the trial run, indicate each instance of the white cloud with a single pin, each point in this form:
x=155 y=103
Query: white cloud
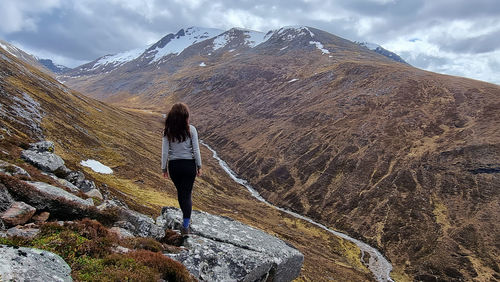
x=23 y=15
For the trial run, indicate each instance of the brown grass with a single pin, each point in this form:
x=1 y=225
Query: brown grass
x=170 y=269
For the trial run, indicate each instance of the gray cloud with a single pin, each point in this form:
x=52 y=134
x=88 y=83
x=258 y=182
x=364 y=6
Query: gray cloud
x=82 y=30
x=477 y=44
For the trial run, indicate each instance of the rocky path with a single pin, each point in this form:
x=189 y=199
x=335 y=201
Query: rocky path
x=378 y=265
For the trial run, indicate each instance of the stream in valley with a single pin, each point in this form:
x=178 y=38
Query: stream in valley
x=377 y=264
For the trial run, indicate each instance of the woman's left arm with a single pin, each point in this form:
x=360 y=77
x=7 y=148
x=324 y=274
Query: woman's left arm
x=196 y=147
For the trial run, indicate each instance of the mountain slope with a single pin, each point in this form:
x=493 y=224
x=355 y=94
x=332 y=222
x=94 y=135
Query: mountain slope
x=21 y=55
x=34 y=106
x=406 y=159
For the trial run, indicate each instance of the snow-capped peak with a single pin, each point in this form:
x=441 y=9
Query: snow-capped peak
x=298 y=29
x=369 y=45
x=252 y=38
x=183 y=39
x=290 y=32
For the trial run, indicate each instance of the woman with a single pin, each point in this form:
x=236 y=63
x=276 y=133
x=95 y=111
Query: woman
x=180 y=158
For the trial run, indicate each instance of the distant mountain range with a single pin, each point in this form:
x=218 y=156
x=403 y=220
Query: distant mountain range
x=174 y=44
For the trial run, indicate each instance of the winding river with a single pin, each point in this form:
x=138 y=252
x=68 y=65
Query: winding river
x=377 y=264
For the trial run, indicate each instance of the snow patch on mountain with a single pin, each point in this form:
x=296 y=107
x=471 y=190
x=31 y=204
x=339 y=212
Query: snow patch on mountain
x=9 y=49
x=254 y=38
x=120 y=58
x=319 y=46
x=97 y=166
x=222 y=40
x=191 y=36
x=202 y=64
x=299 y=29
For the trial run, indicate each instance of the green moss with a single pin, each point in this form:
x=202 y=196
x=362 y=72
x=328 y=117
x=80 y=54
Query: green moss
x=86 y=245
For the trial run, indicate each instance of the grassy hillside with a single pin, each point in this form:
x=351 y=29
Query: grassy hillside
x=129 y=142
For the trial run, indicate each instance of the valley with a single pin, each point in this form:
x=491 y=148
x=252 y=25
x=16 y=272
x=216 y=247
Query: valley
x=403 y=159
x=129 y=142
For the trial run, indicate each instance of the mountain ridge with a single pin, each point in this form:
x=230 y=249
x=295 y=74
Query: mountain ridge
x=251 y=39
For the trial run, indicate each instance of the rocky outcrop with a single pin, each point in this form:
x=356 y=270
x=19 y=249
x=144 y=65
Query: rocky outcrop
x=26 y=264
x=14 y=170
x=47 y=191
x=139 y=224
x=222 y=249
x=42 y=158
x=18 y=213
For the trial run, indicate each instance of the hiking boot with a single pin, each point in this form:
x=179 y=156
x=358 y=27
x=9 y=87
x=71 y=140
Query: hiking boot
x=184 y=232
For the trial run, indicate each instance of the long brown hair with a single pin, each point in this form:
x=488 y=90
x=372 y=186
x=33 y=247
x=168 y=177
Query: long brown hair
x=176 y=123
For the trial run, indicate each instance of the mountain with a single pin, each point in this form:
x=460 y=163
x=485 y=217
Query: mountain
x=57 y=69
x=34 y=107
x=405 y=159
x=20 y=54
x=384 y=52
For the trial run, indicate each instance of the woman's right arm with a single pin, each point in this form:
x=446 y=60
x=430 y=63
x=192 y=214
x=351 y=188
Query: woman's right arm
x=164 y=156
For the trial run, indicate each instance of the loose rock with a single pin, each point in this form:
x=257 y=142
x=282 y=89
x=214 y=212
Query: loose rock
x=13 y=170
x=23 y=231
x=26 y=264
x=42 y=146
x=94 y=193
x=19 y=213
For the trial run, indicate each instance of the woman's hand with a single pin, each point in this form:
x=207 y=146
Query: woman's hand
x=199 y=172
x=165 y=174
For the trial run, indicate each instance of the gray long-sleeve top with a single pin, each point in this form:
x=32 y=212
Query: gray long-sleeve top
x=187 y=150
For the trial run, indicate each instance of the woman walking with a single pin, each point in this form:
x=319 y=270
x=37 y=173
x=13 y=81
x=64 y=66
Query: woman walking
x=180 y=158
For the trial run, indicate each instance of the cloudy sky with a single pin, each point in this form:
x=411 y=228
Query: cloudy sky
x=458 y=37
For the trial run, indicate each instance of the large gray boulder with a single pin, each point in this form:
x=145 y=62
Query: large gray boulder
x=46 y=161
x=139 y=224
x=26 y=264
x=48 y=191
x=222 y=249
x=60 y=203
x=135 y=223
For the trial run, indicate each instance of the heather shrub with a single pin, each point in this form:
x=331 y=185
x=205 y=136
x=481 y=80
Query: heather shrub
x=148 y=244
x=170 y=269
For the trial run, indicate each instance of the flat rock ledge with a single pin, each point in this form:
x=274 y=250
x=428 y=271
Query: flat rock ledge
x=26 y=264
x=223 y=249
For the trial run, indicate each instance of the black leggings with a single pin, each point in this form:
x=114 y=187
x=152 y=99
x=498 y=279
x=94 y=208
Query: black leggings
x=183 y=173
